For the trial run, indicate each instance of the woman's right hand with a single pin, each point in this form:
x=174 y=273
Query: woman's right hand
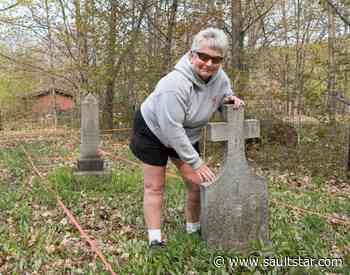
x=205 y=174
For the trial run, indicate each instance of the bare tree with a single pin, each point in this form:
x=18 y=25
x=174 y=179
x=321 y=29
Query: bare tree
x=331 y=64
x=10 y=6
x=82 y=41
x=340 y=11
x=169 y=37
x=114 y=62
x=237 y=34
x=52 y=87
x=244 y=15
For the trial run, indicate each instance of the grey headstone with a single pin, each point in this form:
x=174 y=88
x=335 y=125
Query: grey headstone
x=89 y=162
x=234 y=209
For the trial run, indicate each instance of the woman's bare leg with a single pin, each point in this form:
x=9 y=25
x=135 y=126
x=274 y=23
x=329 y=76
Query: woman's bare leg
x=154 y=178
x=192 y=181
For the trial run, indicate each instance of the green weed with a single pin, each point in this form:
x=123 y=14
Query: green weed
x=36 y=236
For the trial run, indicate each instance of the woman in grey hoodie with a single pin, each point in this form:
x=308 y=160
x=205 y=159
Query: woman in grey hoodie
x=169 y=124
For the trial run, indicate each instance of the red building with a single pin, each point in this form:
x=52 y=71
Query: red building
x=44 y=102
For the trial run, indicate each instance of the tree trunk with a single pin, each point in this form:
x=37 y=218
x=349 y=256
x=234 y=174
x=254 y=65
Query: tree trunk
x=111 y=58
x=331 y=66
x=132 y=99
x=51 y=65
x=286 y=59
x=169 y=38
x=237 y=35
x=114 y=65
x=1 y=122
x=149 y=50
x=298 y=58
x=81 y=27
x=108 y=112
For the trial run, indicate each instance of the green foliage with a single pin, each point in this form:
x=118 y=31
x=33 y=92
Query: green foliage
x=35 y=234
x=14 y=83
x=14 y=161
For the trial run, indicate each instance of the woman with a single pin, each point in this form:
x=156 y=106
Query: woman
x=169 y=124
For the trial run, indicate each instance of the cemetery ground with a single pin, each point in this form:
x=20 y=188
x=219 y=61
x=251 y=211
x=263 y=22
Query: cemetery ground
x=309 y=212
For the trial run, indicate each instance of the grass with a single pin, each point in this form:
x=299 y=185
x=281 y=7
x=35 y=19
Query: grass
x=36 y=236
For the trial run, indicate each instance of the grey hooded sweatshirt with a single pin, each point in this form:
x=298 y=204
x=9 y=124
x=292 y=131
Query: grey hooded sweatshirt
x=181 y=105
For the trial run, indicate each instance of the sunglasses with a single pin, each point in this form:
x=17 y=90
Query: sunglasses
x=205 y=57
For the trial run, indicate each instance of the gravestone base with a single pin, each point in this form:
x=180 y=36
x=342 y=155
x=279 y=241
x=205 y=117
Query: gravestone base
x=90 y=167
x=90 y=164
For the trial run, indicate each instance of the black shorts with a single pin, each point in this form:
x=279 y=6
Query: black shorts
x=147 y=147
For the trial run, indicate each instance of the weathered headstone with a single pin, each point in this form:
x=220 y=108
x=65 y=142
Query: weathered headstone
x=234 y=209
x=89 y=163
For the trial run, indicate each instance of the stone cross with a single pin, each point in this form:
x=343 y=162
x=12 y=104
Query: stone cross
x=89 y=162
x=234 y=209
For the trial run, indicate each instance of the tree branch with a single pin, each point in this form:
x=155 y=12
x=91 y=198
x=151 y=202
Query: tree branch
x=134 y=37
x=336 y=9
x=38 y=68
x=9 y=7
x=259 y=17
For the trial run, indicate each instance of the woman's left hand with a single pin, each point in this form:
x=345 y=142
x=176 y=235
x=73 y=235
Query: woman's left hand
x=237 y=102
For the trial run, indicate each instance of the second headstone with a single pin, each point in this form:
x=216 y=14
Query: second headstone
x=89 y=163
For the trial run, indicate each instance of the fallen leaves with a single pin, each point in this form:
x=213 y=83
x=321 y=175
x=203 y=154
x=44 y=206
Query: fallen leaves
x=336 y=218
x=114 y=220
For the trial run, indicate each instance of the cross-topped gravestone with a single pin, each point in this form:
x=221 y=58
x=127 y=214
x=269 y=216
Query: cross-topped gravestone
x=89 y=162
x=234 y=209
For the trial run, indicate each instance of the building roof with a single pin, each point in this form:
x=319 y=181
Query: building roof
x=46 y=92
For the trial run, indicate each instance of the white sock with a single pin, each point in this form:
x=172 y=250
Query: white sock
x=193 y=227
x=154 y=234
